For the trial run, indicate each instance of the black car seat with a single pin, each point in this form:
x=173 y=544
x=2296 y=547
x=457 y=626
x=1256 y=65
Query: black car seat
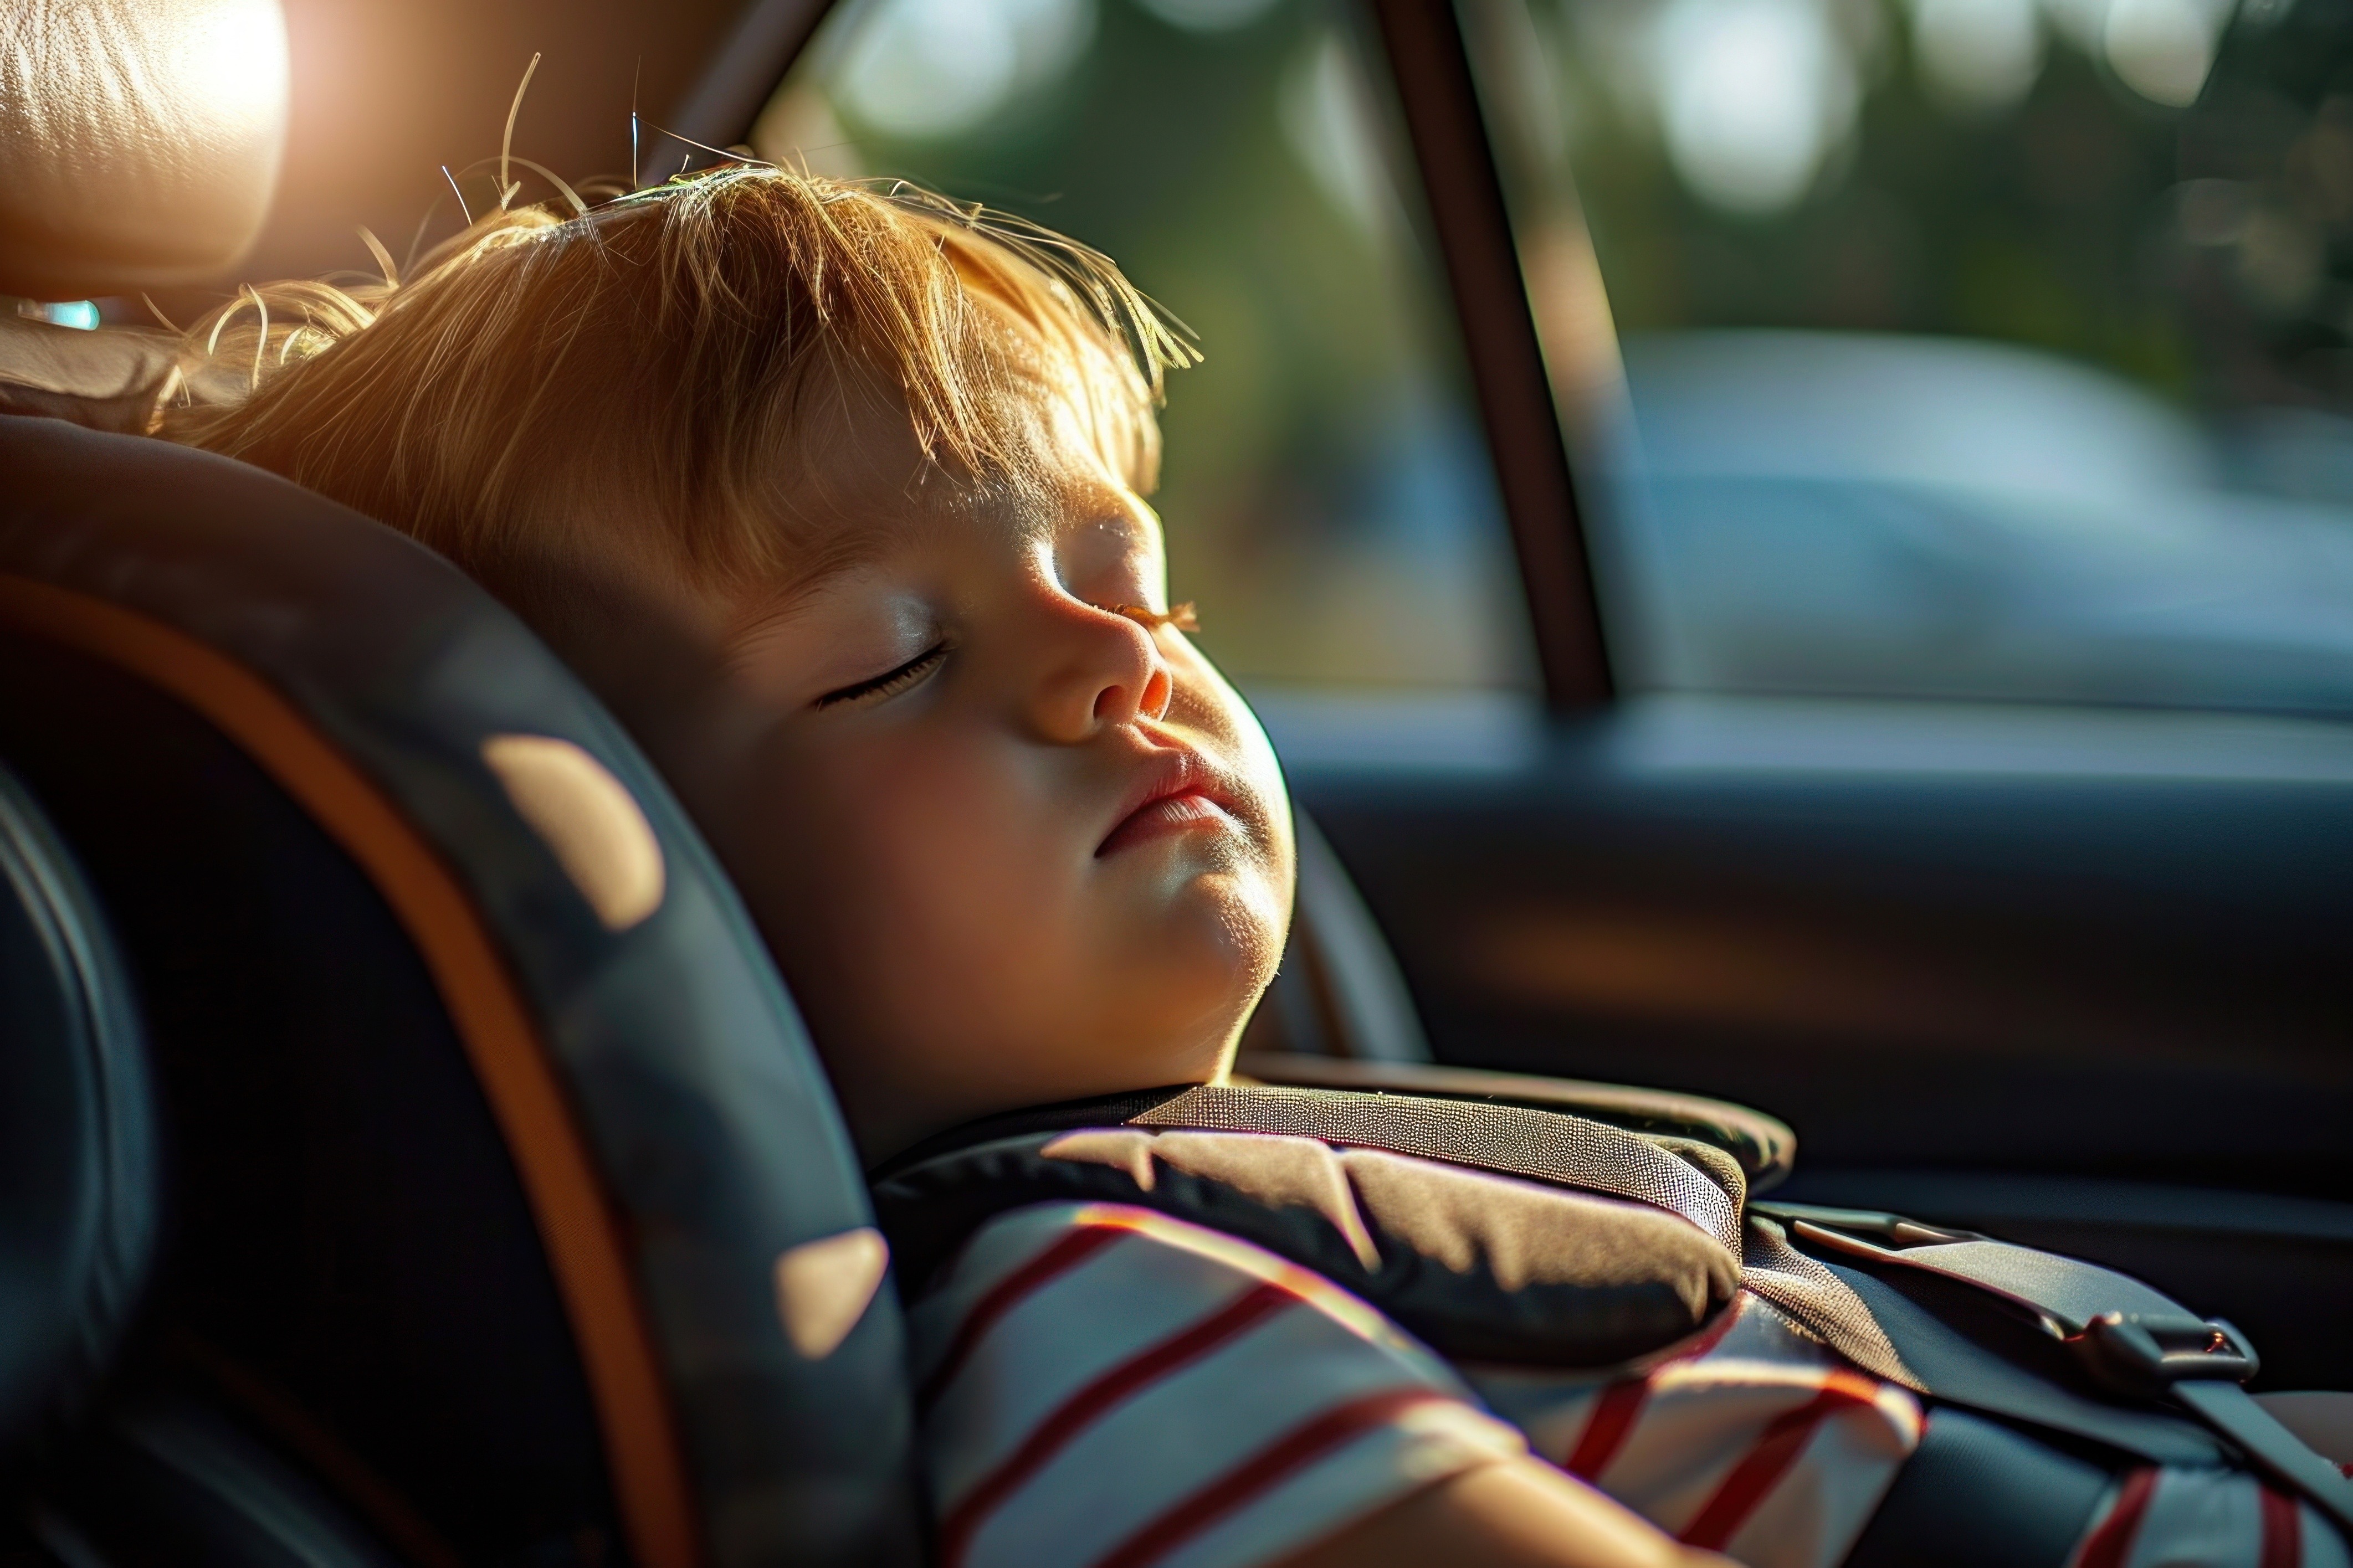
x=80 y=1171
x=410 y=1152
x=500 y=1181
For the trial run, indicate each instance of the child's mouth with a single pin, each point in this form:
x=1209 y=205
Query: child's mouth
x=1175 y=796
x=1169 y=813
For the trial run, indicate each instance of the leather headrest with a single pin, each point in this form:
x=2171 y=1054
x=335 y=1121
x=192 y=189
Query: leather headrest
x=138 y=141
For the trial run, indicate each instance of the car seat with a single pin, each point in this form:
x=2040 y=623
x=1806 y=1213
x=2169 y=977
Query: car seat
x=491 y=1132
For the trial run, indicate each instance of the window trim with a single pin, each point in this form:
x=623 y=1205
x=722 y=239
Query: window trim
x=745 y=72
x=1430 y=68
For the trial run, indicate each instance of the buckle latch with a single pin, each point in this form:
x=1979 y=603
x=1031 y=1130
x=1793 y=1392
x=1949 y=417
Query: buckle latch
x=2146 y=1353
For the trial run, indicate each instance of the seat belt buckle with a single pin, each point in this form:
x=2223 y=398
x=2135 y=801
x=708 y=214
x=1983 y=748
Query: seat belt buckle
x=2145 y=1353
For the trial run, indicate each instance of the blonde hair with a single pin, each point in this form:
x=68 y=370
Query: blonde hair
x=546 y=379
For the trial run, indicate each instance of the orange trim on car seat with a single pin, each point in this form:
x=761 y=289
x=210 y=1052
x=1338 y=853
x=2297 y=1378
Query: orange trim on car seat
x=632 y=1399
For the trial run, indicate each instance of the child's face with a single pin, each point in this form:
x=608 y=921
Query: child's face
x=1010 y=844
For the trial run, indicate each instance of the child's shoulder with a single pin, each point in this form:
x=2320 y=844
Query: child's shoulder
x=1095 y=1375
x=1098 y=1279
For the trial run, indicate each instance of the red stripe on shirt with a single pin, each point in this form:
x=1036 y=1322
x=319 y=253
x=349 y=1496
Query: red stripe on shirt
x=1008 y=1293
x=1090 y=1402
x=1620 y=1404
x=1762 y=1467
x=2283 y=1531
x=1607 y=1428
x=2109 y=1545
x=1262 y=1472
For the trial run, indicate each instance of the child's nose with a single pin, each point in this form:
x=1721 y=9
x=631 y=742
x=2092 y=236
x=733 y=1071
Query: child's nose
x=1106 y=671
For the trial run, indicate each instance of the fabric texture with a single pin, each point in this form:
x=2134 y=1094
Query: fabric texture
x=1696 y=1181
x=1100 y=1384
x=1702 y=1184
x=1475 y=1265
x=1754 y=1439
x=1105 y=1386
x=1936 y=1515
x=2168 y=1517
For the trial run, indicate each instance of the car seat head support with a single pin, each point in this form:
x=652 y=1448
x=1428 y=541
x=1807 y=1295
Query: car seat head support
x=140 y=141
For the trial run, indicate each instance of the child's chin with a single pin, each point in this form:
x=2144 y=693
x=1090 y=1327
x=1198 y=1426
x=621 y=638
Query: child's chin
x=1216 y=940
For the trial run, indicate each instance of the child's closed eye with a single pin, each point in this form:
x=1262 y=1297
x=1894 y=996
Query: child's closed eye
x=891 y=681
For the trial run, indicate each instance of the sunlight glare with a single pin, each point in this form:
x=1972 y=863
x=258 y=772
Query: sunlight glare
x=1978 y=56
x=2162 y=49
x=934 y=68
x=236 y=50
x=1754 y=94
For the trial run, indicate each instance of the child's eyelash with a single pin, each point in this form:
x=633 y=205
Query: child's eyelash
x=890 y=680
x=1181 y=617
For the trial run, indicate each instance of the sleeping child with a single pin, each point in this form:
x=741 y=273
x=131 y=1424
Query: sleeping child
x=835 y=494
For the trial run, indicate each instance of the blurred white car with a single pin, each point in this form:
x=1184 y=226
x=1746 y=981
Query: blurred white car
x=1857 y=513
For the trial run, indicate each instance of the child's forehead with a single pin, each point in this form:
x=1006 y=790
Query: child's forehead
x=1066 y=504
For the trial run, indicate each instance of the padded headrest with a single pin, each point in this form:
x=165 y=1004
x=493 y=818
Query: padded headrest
x=138 y=141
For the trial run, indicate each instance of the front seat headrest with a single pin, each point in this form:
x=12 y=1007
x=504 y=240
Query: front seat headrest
x=138 y=141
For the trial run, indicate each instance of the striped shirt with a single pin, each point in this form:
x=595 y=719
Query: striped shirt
x=1753 y=1438
x=1103 y=1385
x=2205 y=1519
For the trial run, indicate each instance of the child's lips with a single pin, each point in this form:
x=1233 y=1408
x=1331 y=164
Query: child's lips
x=1177 y=793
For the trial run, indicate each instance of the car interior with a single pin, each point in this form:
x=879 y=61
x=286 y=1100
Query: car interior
x=408 y=1150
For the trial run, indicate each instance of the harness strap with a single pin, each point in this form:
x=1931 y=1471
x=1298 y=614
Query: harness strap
x=2125 y=1336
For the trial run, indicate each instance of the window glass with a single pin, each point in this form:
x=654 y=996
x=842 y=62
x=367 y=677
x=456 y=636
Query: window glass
x=1971 y=348
x=1326 y=491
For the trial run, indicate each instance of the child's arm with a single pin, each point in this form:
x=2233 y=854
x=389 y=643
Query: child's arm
x=1515 y=1514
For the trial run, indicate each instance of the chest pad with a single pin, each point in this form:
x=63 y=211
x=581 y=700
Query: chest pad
x=1479 y=1267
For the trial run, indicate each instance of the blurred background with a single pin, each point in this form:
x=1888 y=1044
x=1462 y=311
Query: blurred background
x=1979 y=348
x=1970 y=347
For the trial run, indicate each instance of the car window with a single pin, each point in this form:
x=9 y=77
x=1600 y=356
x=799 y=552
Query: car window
x=1966 y=348
x=1327 y=493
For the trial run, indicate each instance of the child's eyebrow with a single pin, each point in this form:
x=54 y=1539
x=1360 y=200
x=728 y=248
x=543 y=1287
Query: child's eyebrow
x=780 y=600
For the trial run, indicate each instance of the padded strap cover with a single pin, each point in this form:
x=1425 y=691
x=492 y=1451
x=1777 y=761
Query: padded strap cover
x=1701 y=1183
x=1698 y=1182
x=1480 y=1266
